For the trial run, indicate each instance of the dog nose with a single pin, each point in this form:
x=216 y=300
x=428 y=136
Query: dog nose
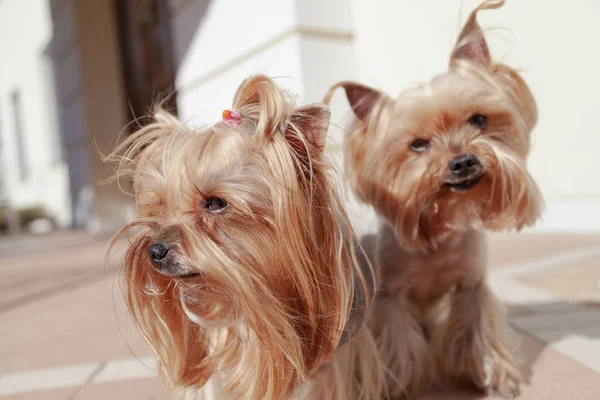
x=157 y=251
x=463 y=165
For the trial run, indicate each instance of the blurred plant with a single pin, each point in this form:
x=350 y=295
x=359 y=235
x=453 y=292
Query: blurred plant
x=26 y=215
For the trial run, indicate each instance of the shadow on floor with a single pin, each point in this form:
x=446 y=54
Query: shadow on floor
x=552 y=322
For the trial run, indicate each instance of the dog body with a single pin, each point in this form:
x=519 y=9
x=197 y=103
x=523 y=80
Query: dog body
x=243 y=273
x=441 y=164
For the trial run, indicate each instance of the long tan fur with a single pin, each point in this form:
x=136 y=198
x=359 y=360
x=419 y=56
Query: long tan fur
x=264 y=292
x=437 y=322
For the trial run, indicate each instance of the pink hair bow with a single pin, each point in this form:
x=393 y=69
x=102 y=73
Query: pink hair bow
x=232 y=118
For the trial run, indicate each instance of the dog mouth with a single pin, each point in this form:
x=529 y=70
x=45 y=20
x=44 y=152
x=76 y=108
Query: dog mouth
x=181 y=271
x=465 y=184
x=175 y=269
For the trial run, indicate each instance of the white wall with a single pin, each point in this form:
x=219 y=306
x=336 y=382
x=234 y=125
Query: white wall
x=555 y=43
x=26 y=31
x=219 y=43
x=304 y=44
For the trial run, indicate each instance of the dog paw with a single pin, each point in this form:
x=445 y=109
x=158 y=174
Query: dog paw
x=507 y=390
x=499 y=381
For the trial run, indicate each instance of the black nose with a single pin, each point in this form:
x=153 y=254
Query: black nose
x=463 y=165
x=157 y=251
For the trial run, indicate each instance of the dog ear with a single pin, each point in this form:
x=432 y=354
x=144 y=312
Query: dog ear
x=471 y=44
x=362 y=98
x=306 y=131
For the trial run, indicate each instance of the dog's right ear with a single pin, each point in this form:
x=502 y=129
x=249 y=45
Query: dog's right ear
x=362 y=98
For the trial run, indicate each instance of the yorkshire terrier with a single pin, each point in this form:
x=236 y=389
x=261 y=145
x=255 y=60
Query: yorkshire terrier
x=244 y=274
x=441 y=164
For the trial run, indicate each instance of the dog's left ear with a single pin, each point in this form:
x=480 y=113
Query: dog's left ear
x=362 y=99
x=306 y=131
x=471 y=44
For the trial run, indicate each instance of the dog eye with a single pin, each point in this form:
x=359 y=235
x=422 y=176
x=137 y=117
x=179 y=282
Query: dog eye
x=478 y=121
x=215 y=205
x=419 y=145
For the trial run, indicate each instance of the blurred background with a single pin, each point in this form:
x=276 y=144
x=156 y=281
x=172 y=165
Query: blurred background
x=74 y=72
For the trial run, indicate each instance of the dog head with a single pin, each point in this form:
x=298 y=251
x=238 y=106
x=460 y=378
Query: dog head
x=448 y=155
x=240 y=264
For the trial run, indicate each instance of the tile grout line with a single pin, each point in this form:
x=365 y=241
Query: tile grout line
x=76 y=375
x=46 y=379
x=518 y=269
x=90 y=378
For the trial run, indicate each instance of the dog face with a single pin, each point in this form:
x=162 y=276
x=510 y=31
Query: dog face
x=448 y=155
x=241 y=265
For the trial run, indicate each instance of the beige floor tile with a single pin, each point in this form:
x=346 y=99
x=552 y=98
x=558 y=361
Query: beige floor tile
x=56 y=394
x=32 y=277
x=579 y=282
x=76 y=327
x=555 y=377
x=146 y=389
x=29 y=244
x=67 y=311
x=141 y=389
x=506 y=249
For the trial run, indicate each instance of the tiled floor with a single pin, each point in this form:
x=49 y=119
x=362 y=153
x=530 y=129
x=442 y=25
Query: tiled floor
x=65 y=332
